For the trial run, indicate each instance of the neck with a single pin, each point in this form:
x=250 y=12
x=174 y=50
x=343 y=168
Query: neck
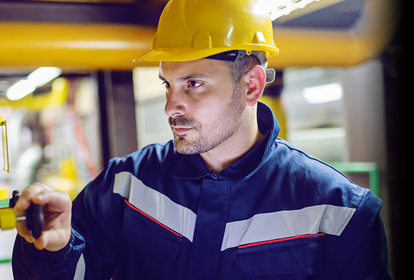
x=233 y=148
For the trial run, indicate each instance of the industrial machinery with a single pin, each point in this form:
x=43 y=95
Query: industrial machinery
x=33 y=216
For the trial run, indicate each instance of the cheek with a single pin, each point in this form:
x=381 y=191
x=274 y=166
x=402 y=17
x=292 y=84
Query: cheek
x=210 y=104
x=209 y=113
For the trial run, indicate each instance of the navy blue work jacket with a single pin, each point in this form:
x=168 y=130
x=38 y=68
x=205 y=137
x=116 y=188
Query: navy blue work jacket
x=276 y=213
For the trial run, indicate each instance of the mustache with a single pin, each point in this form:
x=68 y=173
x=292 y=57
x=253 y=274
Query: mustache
x=181 y=121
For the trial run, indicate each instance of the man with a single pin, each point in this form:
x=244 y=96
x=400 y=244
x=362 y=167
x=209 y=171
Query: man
x=226 y=199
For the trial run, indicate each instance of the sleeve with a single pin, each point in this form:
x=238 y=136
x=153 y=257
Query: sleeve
x=361 y=250
x=92 y=252
x=370 y=260
x=30 y=263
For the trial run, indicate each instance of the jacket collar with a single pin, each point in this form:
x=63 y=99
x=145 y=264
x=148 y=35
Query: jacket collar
x=193 y=166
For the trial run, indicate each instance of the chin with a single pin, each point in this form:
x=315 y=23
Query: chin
x=183 y=147
x=185 y=150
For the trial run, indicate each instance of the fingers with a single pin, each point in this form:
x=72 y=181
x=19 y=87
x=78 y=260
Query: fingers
x=53 y=240
x=55 y=201
x=34 y=193
x=57 y=211
x=21 y=206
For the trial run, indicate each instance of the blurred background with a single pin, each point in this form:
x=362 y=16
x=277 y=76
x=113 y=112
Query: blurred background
x=341 y=93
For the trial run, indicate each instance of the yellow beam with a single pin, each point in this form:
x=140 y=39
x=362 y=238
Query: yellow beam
x=91 y=46
x=73 y=45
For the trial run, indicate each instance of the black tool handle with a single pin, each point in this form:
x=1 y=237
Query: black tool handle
x=35 y=219
x=34 y=215
x=15 y=197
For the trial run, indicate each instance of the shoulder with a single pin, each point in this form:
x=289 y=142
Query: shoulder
x=313 y=181
x=309 y=182
x=298 y=160
x=154 y=155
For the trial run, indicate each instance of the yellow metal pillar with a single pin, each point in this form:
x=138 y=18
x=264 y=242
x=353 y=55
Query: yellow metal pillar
x=272 y=98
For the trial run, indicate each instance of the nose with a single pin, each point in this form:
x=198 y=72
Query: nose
x=175 y=105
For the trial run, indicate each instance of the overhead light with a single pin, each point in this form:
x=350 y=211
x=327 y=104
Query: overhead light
x=43 y=75
x=280 y=8
x=20 y=90
x=322 y=94
x=37 y=78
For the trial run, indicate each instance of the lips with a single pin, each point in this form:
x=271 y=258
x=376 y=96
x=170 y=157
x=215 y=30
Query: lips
x=181 y=130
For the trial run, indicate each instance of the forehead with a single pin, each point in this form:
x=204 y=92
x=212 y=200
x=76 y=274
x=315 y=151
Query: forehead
x=202 y=67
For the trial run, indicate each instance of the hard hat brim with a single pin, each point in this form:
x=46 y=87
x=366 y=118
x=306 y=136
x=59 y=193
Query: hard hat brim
x=186 y=54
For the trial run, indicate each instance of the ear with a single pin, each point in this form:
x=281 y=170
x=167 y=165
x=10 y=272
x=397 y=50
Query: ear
x=255 y=80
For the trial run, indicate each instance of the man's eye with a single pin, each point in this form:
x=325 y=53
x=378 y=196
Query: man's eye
x=166 y=84
x=195 y=83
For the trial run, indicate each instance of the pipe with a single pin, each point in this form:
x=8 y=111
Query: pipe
x=324 y=47
x=78 y=46
x=91 y=46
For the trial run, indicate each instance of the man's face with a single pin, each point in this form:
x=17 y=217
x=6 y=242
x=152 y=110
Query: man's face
x=203 y=106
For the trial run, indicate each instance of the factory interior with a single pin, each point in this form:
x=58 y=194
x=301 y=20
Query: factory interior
x=341 y=93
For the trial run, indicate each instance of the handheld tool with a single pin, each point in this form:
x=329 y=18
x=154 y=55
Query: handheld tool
x=33 y=216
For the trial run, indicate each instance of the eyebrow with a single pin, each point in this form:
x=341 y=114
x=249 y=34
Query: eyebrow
x=161 y=77
x=188 y=77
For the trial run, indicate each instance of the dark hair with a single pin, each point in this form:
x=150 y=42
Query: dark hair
x=239 y=67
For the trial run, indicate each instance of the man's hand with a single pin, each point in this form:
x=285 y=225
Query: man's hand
x=57 y=216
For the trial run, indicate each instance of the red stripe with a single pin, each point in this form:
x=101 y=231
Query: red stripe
x=280 y=240
x=151 y=218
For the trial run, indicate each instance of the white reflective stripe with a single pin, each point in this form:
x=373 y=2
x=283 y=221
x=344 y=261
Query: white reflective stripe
x=270 y=226
x=80 y=269
x=155 y=204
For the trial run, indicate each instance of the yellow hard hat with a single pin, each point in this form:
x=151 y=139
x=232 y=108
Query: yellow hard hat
x=194 y=29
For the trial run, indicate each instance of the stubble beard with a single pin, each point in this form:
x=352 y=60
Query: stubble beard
x=213 y=134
